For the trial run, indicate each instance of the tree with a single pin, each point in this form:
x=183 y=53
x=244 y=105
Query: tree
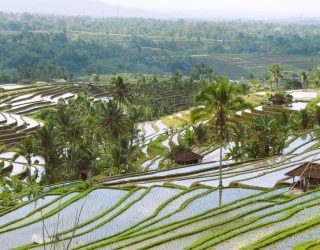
x=112 y=119
x=188 y=137
x=317 y=115
x=238 y=132
x=48 y=146
x=260 y=129
x=304 y=79
x=122 y=93
x=200 y=133
x=276 y=74
x=118 y=157
x=316 y=77
x=267 y=135
x=26 y=149
x=306 y=119
x=218 y=101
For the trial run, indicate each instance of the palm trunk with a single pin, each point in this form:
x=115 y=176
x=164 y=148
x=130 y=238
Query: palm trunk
x=29 y=163
x=220 y=169
x=220 y=160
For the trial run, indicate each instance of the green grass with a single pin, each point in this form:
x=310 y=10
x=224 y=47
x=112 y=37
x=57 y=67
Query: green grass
x=311 y=245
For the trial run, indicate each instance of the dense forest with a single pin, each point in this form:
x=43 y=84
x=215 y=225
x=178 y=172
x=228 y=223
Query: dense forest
x=68 y=46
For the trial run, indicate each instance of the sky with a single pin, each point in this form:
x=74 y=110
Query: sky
x=290 y=7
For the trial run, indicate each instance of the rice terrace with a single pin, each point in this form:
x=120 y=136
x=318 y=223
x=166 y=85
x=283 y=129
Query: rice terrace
x=150 y=126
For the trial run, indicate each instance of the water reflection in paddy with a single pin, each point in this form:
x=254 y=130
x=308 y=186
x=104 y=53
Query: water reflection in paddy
x=301 y=140
x=303 y=95
x=297 y=106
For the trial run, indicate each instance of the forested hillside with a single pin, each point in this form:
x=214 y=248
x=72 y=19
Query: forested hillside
x=30 y=44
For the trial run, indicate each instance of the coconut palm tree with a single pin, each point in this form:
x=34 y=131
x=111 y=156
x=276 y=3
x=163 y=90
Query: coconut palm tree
x=122 y=93
x=217 y=102
x=48 y=146
x=118 y=156
x=112 y=119
x=261 y=127
x=26 y=149
x=276 y=74
x=200 y=133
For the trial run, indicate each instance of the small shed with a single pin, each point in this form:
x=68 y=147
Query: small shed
x=309 y=175
x=61 y=81
x=187 y=157
x=278 y=99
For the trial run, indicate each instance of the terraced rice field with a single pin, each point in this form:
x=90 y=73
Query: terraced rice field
x=179 y=208
x=161 y=217
x=265 y=173
x=16 y=103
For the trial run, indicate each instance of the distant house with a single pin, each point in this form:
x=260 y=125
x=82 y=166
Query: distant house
x=308 y=174
x=187 y=157
x=60 y=81
x=278 y=99
x=25 y=81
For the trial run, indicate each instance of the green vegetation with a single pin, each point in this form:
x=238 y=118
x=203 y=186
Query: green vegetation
x=183 y=219
x=47 y=47
x=124 y=130
x=218 y=100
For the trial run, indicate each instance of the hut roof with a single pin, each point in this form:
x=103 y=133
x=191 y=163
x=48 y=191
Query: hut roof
x=187 y=155
x=308 y=169
x=61 y=80
x=278 y=98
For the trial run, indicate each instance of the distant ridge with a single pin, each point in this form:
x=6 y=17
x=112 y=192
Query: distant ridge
x=99 y=9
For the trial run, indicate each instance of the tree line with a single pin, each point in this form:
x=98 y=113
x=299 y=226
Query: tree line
x=31 y=44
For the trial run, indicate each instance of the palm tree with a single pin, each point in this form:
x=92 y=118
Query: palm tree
x=188 y=137
x=276 y=74
x=238 y=132
x=305 y=118
x=317 y=115
x=261 y=127
x=112 y=119
x=70 y=131
x=48 y=146
x=119 y=156
x=26 y=149
x=200 y=133
x=86 y=155
x=304 y=79
x=122 y=93
x=218 y=101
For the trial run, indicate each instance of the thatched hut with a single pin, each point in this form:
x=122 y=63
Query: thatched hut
x=309 y=175
x=187 y=157
x=278 y=99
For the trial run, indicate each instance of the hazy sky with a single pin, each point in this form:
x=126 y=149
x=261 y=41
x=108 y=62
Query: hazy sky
x=296 y=7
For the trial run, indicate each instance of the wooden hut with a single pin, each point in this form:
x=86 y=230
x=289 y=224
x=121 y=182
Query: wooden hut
x=308 y=174
x=187 y=157
x=278 y=99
